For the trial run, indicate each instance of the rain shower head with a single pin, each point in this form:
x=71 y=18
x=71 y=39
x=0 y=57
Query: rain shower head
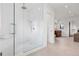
x=23 y=7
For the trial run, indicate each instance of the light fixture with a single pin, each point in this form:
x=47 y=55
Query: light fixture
x=70 y=12
x=66 y=6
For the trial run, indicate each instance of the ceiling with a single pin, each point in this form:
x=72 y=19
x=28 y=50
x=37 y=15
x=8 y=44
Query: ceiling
x=65 y=10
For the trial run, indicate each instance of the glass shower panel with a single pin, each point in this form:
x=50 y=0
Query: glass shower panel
x=19 y=29
x=32 y=31
x=28 y=18
x=6 y=38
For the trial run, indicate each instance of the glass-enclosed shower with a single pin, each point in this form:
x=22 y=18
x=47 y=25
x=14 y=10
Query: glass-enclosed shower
x=21 y=28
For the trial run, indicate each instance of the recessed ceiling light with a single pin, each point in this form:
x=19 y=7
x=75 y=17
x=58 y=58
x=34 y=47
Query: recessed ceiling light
x=70 y=12
x=39 y=8
x=66 y=6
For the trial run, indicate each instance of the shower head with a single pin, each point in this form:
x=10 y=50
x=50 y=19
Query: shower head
x=23 y=7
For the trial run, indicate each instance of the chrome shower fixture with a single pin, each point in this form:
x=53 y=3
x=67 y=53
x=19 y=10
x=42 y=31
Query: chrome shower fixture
x=23 y=7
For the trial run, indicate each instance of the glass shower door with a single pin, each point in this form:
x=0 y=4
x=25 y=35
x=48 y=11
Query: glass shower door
x=28 y=18
x=6 y=29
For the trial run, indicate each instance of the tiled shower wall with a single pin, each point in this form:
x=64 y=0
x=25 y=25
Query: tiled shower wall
x=29 y=27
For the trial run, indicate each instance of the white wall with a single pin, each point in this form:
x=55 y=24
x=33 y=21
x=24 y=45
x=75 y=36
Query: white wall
x=65 y=22
x=50 y=23
x=65 y=30
x=74 y=24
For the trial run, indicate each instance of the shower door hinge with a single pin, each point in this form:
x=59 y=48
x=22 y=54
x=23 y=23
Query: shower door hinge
x=0 y=53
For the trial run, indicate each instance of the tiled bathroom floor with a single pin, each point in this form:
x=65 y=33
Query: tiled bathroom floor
x=64 y=46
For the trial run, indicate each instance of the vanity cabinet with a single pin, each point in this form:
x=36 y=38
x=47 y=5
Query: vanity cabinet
x=58 y=33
